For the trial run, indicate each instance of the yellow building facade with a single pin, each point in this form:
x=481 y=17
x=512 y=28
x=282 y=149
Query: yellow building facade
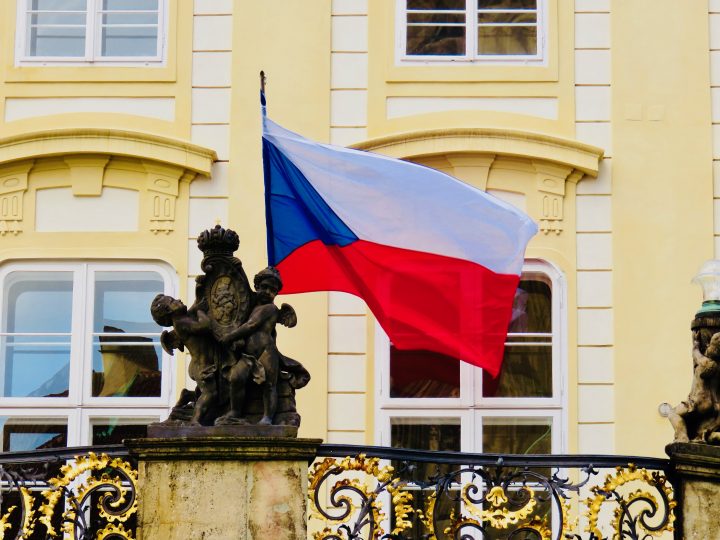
x=128 y=127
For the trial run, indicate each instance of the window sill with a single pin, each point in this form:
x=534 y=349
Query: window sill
x=91 y=72
x=462 y=71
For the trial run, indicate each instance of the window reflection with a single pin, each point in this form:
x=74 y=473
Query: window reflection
x=526 y=370
x=35 y=353
x=517 y=435
x=22 y=434
x=129 y=364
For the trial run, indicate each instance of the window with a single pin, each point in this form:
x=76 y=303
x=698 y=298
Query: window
x=91 y=30
x=471 y=30
x=77 y=348
x=434 y=402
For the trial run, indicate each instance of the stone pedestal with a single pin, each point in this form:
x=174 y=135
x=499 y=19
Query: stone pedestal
x=696 y=470
x=222 y=487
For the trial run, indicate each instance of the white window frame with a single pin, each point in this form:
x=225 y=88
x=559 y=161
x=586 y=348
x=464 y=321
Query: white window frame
x=80 y=406
x=93 y=41
x=471 y=406
x=471 y=56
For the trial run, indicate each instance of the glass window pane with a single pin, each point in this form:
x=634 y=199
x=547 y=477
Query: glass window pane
x=448 y=18
x=122 y=301
x=426 y=434
x=507 y=17
x=130 y=18
x=526 y=371
x=126 y=365
x=532 y=308
x=507 y=4
x=436 y=40
x=507 y=435
x=42 y=19
x=121 y=368
x=20 y=434
x=56 y=41
x=129 y=41
x=115 y=430
x=436 y=4
x=423 y=374
x=39 y=302
x=507 y=40
x=58 y=5
x=39 y=369
x=36 y=365
x=130 y=4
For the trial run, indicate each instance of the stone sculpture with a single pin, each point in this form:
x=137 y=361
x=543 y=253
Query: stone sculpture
x=242 y=378
x=697 y=419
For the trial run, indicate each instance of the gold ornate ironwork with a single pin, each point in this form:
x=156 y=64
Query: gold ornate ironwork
x=498 y=514
x=370 y=509
x=608 y=493
x=112 y=479
x=510 y=501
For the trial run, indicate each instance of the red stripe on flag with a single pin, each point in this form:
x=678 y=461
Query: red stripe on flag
x=422 y=300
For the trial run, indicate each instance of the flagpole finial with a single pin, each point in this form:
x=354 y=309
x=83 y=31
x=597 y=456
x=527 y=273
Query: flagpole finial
x=262 y=94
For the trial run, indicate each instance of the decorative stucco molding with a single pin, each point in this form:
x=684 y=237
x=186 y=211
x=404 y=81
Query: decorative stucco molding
x=13 y=184
x=89 y=155
x=113 y=142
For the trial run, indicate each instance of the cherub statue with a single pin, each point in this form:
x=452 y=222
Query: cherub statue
x=698 y=418
x=255 y=340
x=194 y=332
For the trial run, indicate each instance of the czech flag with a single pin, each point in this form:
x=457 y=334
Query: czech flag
x=437 y=261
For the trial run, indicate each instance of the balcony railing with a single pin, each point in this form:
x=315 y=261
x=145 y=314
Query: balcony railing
x=372 y=492
x=369 y=493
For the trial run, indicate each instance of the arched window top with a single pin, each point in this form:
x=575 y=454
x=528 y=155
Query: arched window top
x=79 y=142
x=539 y=147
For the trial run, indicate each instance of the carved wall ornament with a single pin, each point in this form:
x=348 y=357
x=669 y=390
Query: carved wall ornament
x=550 y=183
x=13 y=185
x=162 y=184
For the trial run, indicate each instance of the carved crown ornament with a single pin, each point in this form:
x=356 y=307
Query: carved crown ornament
x=92 y=159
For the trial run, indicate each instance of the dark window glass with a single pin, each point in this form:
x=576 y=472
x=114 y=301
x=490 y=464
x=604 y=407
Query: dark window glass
x=507 y=40
x=507 y=4
x=526 y=370
x=507 y=435
x=112 y=431
x=436 y=4
x=436 y=40
x=20 y=434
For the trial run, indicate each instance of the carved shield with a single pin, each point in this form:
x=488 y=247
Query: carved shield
x=225 y=291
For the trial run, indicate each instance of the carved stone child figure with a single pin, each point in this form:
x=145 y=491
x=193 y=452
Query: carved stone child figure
x=697 y=418
x=194 y=332
x=256 y=338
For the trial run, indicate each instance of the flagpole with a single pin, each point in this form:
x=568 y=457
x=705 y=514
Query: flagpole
x=266 y=172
